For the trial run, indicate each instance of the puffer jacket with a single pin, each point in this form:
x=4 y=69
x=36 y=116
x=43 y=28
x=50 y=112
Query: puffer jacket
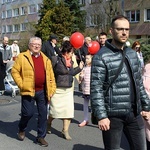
x=23 y=74
x=116 y=102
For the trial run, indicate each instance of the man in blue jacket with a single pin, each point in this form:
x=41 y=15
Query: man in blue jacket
x=118 y=107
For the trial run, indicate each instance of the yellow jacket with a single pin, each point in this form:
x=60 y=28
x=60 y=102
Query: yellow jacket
x=23 y=74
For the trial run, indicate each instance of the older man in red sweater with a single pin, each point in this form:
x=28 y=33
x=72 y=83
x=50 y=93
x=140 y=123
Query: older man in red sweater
x=33 y=73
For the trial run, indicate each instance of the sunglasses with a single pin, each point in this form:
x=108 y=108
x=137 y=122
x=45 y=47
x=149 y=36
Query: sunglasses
x=137 y=48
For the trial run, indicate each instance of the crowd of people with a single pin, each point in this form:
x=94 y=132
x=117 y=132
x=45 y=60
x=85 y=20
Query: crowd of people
x=115 y=81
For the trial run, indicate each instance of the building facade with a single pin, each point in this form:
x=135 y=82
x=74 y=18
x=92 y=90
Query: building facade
x=18 y=18
x=100 y=13
x=138 y=13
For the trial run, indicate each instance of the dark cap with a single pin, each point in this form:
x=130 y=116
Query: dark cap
x=53 y=36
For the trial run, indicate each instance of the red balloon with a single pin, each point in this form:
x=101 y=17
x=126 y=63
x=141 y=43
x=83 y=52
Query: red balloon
x=93 y=47
x=77 y=40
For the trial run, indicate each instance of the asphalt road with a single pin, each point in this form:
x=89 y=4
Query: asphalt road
x=83 y=138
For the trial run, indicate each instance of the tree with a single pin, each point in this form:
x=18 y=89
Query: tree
x=55 y=18
x=99 y=15
x=47 y=5
x=79 y=15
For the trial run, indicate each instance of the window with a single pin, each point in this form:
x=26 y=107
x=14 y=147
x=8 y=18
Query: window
x=138 y=37
x=9 y=13
x=23 y=10
x=9 y=1
x=3 y=15
x=94 y=20
x=23 y=26
x=16 y=12
x=3 y=1
x=3 y=29
x=32 y=9
x=16 y=28
x=9 y=28
x=94 y=1
x=82 y=2
x=147 y=15
x=133 y=16
x=39 y=6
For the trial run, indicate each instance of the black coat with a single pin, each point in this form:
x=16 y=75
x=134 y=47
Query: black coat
x=49 y=50
x=63 y=74
x=2 y=73
x=82 y=52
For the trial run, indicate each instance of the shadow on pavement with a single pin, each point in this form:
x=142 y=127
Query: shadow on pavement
x=9 y=128
x=86 y=147
x=77 y=93
x=78 y=106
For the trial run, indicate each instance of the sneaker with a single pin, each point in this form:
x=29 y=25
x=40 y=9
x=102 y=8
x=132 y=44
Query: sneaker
x=84 y=123
x=21 y=135
x=42 y=142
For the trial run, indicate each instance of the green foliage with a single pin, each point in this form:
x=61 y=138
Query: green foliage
x=47 y=5
x=79 y=15
x=23 y=45
x=44 y=27
x=146 y=52
x=61 y=19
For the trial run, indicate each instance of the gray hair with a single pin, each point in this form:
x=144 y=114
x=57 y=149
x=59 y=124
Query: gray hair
x=66 y=38
x=34 y=38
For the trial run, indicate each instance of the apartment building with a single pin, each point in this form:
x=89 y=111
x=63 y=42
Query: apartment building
x=100 y=13
x=138 y=13
x=18 y=17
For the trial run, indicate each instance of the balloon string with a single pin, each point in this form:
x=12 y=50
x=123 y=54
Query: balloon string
x=80 y=54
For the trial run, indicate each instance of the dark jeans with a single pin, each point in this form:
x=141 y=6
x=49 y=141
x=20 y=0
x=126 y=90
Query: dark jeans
x=148 y=145
x=27 y=111
x=133 y=128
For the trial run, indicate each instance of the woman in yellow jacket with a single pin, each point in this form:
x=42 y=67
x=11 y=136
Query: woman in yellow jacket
x=33 y=73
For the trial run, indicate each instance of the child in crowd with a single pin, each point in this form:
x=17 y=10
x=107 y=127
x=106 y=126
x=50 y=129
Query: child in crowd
x=146 y=81
x=84 y=77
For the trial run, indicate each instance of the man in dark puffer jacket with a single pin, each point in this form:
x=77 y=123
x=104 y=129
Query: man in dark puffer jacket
x=121 y=107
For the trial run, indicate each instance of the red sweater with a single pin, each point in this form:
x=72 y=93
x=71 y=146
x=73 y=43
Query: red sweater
x=39 y=72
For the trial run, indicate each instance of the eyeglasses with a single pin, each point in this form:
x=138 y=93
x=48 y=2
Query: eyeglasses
x=137 y=48
x=122 y=29
x=35 y=44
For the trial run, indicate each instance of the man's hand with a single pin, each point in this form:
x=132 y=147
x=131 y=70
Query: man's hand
x=104 y=124
x=53 y=44
x=146 y=115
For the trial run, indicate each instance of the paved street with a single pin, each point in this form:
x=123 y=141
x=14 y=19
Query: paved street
x=84 y=138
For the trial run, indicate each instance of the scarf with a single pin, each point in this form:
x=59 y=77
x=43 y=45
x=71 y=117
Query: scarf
x=68 y=61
